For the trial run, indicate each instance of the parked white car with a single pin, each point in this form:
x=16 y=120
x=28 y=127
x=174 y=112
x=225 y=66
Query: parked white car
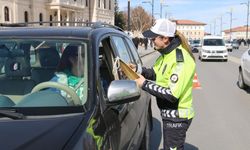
x=213 y=48
x=244 y=70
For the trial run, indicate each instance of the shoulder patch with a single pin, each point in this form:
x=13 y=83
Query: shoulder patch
x=179 y=55
x=174 y=78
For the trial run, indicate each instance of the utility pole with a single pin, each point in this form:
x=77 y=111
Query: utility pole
x=152 y=4
x=247 y=4
x=162 y=5
x=128 y=15
x=247 y=19
x=214 y=26
x=221 y=25
x=89 y=5
x=152 y=12
x=211 y=28
x=231 y=18
x=161 y=8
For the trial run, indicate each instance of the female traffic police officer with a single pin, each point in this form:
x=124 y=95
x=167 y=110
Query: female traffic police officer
x=173 y=73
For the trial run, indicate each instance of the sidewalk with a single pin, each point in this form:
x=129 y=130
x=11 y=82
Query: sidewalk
x=244 y=46
x=142 y=52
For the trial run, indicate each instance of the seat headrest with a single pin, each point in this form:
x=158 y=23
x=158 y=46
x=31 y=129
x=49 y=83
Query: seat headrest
x=71 y=48
x=4 y=51
x=101 y=50
x=17 y=66
x=48 y=57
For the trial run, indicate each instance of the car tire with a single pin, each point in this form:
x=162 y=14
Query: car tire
x=241 y=83
x=145 y=144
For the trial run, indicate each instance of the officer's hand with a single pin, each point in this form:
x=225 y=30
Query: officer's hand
x=140 y=80
x=132 y=66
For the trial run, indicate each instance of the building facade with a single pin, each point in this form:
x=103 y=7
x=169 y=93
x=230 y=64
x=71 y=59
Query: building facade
x=236 y=33
x=19 y=11
x=192 y=30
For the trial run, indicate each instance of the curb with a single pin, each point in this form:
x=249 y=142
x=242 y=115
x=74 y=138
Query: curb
x=142 y=55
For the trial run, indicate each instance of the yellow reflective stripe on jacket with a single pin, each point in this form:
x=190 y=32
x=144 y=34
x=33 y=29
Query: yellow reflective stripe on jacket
x=186 y=113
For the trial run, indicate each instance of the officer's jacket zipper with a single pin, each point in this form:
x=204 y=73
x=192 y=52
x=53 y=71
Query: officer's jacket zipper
x=161 y=62
x=165 y=66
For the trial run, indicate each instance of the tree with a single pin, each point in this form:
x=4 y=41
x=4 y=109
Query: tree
x=140 y=19
x=119 y=17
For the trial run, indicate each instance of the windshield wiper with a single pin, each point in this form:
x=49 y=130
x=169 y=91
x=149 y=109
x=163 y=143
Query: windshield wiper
x=11 y=114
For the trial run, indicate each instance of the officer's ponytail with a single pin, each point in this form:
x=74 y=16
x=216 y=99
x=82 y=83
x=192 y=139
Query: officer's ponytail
x=184 y=43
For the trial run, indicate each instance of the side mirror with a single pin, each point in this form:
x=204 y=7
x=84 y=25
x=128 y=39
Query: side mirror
x=122 y=91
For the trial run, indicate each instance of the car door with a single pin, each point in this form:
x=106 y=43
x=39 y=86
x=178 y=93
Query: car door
x=133 y=123
x=114 y=116
x=246 y=67
x=125 y=122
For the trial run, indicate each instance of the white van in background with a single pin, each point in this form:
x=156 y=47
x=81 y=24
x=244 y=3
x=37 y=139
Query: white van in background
x=213 y=47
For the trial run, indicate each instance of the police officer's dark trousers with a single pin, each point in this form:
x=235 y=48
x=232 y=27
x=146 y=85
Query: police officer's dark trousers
x=174 y=132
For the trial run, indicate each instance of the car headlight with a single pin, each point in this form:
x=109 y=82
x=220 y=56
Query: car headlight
x=206 y=51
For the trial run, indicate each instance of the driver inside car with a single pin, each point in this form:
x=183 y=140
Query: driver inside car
x=70 y=70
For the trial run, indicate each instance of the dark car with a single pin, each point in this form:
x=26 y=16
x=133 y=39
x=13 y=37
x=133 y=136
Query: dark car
x=195 y=45
x=235 y=44
x=104 y=110
x=195 y=49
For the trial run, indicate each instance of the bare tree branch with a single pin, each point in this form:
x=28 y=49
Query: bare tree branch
x=140 y=19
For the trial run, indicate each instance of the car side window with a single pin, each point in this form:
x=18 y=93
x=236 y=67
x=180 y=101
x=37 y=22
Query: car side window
x=122 y=49
x=106 y=67
x=134 y=51
x=109 y=49
x=106 y=61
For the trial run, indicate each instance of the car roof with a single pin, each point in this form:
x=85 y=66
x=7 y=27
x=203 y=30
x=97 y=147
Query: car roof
x=45 y=31
x=56 y=31
x=212 y=37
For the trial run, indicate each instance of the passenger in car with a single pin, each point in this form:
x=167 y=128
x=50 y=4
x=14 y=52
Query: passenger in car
x=70 y=70
x=4 y=51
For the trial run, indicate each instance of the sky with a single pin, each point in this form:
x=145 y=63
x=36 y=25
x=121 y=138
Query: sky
x=205 y=11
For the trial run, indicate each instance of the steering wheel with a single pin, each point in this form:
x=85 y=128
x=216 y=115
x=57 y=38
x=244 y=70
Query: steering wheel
x=49 y=84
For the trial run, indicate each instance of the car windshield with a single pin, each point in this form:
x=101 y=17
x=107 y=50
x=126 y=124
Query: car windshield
x=42 y=72
x=196 y=41
x=235 y=42
x=213 y=42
